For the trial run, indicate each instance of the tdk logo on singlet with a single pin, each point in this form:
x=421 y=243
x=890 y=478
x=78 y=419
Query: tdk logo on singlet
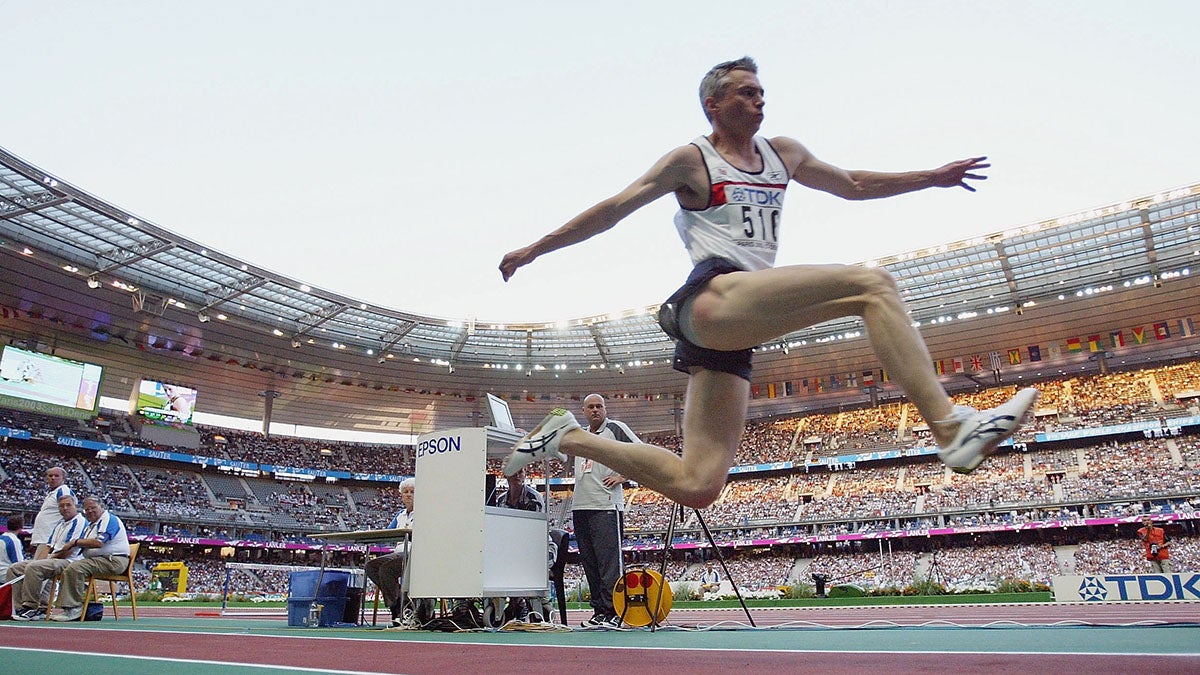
x=439 y=445
x=754 y=196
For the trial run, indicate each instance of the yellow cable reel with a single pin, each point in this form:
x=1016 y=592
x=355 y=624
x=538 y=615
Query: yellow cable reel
x=640 y=597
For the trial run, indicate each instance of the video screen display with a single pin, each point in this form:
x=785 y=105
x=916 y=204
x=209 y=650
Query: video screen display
x=53 y=380
x=163 y=402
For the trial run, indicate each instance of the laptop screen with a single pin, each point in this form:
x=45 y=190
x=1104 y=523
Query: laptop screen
x=499 y=412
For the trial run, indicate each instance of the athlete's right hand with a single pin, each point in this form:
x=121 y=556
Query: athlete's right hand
x=514 y=259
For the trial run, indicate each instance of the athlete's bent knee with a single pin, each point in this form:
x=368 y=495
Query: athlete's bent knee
x=701 y=496
x=877 y=280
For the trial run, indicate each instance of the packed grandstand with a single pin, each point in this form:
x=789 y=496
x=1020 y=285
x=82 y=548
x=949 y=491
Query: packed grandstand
x=1037 y=510
x=835 y=475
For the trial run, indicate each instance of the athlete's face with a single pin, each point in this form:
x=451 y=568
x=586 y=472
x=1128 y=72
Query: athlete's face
x=742 y=101
x=55 y=478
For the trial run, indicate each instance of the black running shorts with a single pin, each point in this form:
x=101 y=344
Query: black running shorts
x=687 y=354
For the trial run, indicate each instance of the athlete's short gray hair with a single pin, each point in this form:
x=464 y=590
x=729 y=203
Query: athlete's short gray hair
x=715 y=81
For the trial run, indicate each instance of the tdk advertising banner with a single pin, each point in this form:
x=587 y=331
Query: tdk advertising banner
x=1174 y=587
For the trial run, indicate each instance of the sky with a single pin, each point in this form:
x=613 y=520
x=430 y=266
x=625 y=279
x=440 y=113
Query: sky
x=393 y=151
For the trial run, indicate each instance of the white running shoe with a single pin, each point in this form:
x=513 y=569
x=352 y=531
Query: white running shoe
x=980 y=432
x=542 y=441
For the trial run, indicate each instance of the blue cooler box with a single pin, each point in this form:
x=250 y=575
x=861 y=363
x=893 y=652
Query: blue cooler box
x=303 y=593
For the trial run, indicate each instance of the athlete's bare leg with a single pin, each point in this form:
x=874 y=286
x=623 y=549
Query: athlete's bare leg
x=744 y=309
x=713 y=420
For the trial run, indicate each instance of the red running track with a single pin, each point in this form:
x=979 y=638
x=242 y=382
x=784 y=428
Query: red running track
x=440 y=658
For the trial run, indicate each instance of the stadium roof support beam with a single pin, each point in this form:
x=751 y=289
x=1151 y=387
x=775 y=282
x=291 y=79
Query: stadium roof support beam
x=318 y=319
x=231 y=293
x=601 y=347
x=459 y=343
x=1148 y=239
x=16 y=209
x=1009 y=278
x=125 y=258
x=390 y=338
x=147 y=303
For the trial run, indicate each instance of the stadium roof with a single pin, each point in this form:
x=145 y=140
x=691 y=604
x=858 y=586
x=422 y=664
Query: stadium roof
x=1138 y=241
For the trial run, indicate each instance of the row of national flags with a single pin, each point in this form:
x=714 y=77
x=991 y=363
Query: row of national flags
x=992 y=361
x=816 y=385
x=1094 y=343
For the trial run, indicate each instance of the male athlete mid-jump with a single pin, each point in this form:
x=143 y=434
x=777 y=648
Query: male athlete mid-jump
x=730 y=187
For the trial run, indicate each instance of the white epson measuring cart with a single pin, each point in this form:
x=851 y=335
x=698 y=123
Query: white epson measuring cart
x=462 y=548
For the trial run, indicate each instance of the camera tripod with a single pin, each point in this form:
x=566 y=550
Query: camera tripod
x=676 y=512
x=935 y=572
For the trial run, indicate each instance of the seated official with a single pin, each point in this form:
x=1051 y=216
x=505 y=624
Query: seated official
x=386 y=571
x=518 y=495
x=105 y=545
x=12 y=551
x=31 y=595
x=710 y=579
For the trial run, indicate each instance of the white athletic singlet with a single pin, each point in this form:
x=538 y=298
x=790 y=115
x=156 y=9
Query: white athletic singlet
x=741 y=222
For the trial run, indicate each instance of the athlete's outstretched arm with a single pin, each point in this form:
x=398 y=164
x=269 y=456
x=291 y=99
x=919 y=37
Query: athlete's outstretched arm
x=669 y=174
x=814 y=173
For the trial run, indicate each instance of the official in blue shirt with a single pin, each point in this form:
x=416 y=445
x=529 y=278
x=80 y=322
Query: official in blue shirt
x=105 y=545
x=12 y=551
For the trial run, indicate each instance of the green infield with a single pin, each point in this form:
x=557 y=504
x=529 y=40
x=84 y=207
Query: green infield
x=944 y=599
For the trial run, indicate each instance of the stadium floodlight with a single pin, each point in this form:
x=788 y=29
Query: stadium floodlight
x=202 y=317
x=93 y=282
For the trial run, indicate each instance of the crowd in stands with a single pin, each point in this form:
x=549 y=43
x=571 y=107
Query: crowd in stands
x=753 y=571
x=981 y=566
x=288 y=451
x=301 y=504
x=956 y=568
x=1115 y=556
x=1131 y=469
x=1013 y=487
x=871 y=497
x=868 y=570
x=169 y=493
x=752 y=501
x=23 y=485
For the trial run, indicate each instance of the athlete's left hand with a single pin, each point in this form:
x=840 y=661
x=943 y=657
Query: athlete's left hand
x=955 y=174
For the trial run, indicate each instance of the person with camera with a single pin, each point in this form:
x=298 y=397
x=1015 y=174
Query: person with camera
x=819 y=582
x=1157 y=546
